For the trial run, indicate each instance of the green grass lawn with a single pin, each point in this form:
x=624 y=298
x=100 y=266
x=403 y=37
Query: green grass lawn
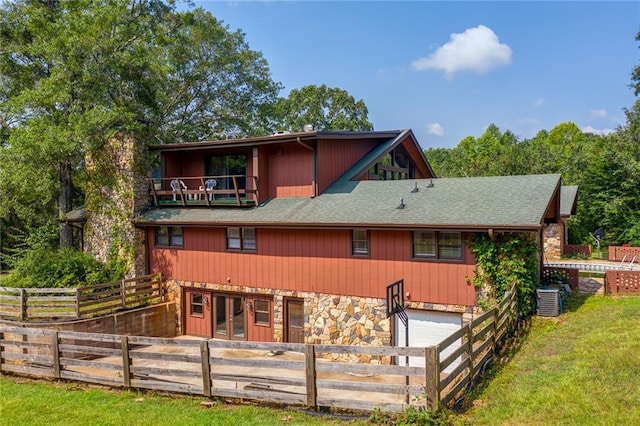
x=578 y=369
x=30 y=402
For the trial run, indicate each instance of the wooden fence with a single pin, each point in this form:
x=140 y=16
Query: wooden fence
x=287 y=373
x=617 y=281
x=25 y=304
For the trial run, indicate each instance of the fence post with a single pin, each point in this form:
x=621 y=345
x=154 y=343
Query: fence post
x=23 y=304
x=126 y=371
x=77 y=302
x=470 y=350
x=310 y=373
x=495 y=331
x=1 y=340
x=432 y=377
x=124 y=294
x=56 y=354
x=206 y=369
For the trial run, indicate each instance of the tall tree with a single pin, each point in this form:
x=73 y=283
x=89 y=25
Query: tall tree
x=325 y=108
x=74 y=73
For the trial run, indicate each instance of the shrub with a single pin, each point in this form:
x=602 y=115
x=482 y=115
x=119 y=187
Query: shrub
x=44 y=268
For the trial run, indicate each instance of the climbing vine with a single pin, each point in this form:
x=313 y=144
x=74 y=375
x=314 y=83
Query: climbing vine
x=504 y=260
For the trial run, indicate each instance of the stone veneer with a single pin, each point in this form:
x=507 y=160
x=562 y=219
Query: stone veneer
x=329 y=319
x=117 y=190
x=554 y=239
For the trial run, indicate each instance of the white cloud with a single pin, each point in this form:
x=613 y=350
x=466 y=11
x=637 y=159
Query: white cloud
x=435 y=129
x=538 y=102
x=603 y=132
x=476 y=49
x=598 y=113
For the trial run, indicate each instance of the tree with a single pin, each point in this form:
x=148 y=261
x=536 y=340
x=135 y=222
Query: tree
x=323 y=107
x=75 y=73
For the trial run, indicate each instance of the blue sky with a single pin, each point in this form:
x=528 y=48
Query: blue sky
x=449 y=69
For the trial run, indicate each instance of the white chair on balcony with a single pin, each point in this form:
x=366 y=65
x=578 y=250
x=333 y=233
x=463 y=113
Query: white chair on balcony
x=175 y=187
x=210 y=185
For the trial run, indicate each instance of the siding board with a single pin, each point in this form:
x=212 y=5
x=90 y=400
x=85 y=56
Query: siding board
x=315 y=260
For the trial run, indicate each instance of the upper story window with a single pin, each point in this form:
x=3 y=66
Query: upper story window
x=360 y=242
x=168 y=236
x=241 y=238
x=437 y=245
x=396 y=165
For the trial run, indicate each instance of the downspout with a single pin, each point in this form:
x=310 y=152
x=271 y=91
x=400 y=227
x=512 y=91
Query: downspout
x=314 y=166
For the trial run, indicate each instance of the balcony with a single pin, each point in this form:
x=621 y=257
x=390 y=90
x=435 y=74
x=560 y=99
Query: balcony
x=208 y=191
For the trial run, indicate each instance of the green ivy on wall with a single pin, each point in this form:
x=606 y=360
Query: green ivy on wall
x=504 y=260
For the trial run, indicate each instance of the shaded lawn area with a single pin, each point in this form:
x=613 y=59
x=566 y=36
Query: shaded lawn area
x=29 y=402
x=580 y=368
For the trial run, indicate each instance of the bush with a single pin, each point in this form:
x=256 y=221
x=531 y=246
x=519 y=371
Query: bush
x=42 y=268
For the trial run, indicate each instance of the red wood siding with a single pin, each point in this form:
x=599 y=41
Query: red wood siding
x=290 y=171
x=336 y=157
x=316 y=260
x=263 y=175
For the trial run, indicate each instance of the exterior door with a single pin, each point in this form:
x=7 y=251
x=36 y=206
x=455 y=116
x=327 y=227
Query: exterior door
x=197 y=312
x=229 y=318
x=294 y=311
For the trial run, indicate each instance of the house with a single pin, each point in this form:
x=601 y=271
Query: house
x=295 y=237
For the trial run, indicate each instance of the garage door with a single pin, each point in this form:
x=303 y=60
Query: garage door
x=427 y=328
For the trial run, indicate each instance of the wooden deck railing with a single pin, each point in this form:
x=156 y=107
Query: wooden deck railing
x=236 y=190
x=302 y=374
x=24 y=304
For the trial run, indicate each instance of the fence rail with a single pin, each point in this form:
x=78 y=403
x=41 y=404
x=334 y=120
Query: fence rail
x=289 y=373
x=24 y=304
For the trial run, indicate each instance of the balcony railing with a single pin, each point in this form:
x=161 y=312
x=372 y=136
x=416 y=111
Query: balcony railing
x=231 y=190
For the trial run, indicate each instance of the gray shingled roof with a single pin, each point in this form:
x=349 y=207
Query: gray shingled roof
x=568 y=196
x=502 y=202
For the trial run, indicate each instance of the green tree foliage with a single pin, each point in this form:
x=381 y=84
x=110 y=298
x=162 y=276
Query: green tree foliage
x=45 y=268
x=325 y=108
x=74 y=73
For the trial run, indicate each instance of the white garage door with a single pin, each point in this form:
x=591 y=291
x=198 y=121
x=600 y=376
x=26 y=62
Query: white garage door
x=427 y=328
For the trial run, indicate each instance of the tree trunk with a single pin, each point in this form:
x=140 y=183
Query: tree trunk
x=64 y=204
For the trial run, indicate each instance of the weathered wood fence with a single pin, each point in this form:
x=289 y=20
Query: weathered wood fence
x=288 y=373
x=25 y=304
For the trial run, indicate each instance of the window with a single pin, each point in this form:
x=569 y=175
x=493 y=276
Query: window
x=197 y=304
x=360 y=242
x=437 y=245
x=241 y=239
x=169 y=236
x=262 y=312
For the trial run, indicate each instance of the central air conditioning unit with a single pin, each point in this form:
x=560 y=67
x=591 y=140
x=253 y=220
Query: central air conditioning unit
x=549 y=302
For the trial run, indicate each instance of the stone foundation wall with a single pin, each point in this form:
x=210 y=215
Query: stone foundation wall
x=329 y=319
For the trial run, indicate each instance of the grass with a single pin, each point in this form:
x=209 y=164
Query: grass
x=581 y=368
x=29 y=402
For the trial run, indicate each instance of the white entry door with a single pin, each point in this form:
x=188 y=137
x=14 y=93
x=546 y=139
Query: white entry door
x=427 y=328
